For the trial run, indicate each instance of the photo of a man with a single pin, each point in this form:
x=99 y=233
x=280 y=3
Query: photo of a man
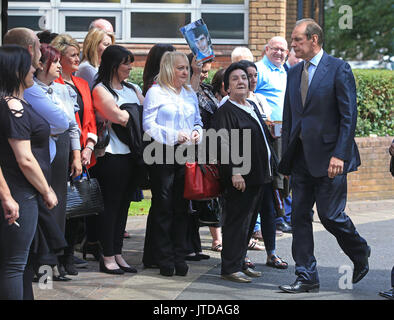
x=199 y=40
x=202 y=43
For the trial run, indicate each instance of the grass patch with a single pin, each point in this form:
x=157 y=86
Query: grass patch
x=139 y=208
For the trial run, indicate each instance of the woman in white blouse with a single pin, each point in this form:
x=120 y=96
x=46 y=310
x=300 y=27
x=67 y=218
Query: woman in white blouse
x=171 y=117
x=115 y=169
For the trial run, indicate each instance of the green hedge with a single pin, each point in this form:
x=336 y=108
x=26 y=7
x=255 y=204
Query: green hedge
x=375 y=98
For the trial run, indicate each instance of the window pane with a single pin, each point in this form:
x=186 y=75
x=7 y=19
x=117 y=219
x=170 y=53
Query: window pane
x=101 y=1
x=225 y=25
x=31 y=22
x=28 y=0
x=82 y=23
x=222 y=1
x=160 y=1
x=158 y=25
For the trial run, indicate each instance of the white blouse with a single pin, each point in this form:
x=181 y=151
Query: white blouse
x=166 y=113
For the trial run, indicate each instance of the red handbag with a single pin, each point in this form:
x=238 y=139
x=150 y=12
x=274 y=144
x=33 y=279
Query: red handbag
x=202 y=181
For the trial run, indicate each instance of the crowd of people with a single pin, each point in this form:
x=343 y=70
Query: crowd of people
x=56 y=103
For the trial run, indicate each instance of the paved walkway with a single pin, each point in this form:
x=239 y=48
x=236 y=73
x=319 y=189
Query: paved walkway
x=374 y=221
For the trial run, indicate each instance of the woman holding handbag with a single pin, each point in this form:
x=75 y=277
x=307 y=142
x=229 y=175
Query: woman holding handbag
x=171 y=117
x=84 y=114
x=116 y=169
x=24 y=161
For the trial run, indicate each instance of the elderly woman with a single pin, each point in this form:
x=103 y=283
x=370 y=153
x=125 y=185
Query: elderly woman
x=86 y=120
x=244 y=183
x=171 y=117
x=116 y=169
x=24 y=161
x=96 y=41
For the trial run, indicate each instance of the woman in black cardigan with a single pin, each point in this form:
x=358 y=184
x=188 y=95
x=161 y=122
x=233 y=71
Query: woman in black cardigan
x=244 y=175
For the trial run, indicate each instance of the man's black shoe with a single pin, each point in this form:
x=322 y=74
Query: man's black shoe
x=299 y=286
x=360 y=270
x=389 y=294
x=284 y=227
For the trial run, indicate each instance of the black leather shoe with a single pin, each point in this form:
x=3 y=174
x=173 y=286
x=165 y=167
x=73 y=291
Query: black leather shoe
x=284 y=227
x=181 y=269
x=167 y=271
x=104 y=269
x=299 y=286
x=196 y=257
x=389 y=294
x=360 y=270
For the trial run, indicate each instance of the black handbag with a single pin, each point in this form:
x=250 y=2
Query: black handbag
x=209 y=211
x=83 y=197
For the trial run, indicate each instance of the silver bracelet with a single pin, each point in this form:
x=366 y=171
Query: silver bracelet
x=89 y=147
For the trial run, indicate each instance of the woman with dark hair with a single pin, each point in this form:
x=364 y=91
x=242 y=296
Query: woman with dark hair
x=65 y=161
x=152 y=64
x=24 y=160
x=208 y=104
x=244 y=183
x=115 y=168
x=218 y=85
x=171 y=117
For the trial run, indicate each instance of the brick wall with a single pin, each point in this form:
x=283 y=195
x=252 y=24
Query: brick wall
x=373 y=180
x=267 y=18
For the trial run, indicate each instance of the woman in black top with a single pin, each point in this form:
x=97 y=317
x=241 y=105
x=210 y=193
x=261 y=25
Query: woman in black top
x=243 y=181
x=24 y=160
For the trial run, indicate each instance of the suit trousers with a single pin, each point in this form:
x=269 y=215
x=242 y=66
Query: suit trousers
x=330 y=197
x=240 y=209
x=166 y=230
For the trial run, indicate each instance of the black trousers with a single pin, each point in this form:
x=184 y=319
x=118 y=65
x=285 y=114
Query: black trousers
x=330 y=197
x=165 y=238
x=115 y=173
x=240 y=208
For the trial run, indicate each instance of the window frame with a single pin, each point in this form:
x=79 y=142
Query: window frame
x=57 y=11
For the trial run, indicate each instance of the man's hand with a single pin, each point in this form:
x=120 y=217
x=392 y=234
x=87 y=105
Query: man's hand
x=238 y=182
x=10 y=209
x=335 y=167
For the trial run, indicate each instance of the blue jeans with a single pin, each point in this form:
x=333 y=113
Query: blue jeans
x=287 y=216
x=15 y=244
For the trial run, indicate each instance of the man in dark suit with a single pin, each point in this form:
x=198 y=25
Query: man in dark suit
x=319 y=120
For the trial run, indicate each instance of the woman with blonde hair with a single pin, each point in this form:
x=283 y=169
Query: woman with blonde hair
x=96 y=41
x=171 y=117
x=84 y=114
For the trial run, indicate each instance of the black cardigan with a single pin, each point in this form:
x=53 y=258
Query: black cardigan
x=228 y=117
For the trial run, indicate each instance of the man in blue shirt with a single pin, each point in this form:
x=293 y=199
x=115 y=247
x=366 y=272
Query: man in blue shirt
x=271 y=83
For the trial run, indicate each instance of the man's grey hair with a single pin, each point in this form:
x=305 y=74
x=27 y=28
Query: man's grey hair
x=241 y=53
x=312 y=27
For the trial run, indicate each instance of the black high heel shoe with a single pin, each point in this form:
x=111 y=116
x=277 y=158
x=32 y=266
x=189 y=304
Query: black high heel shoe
x=104 y=269
x=93 y=248
x=126 y=269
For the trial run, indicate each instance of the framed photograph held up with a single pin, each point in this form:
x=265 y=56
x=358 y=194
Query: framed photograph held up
x=197 y=36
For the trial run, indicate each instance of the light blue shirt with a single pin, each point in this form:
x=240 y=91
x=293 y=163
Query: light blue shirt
x=313 y=66
x=271 y=83
x=56 y=117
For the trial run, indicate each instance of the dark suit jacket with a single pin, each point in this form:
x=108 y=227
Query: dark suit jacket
x=326 y=123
